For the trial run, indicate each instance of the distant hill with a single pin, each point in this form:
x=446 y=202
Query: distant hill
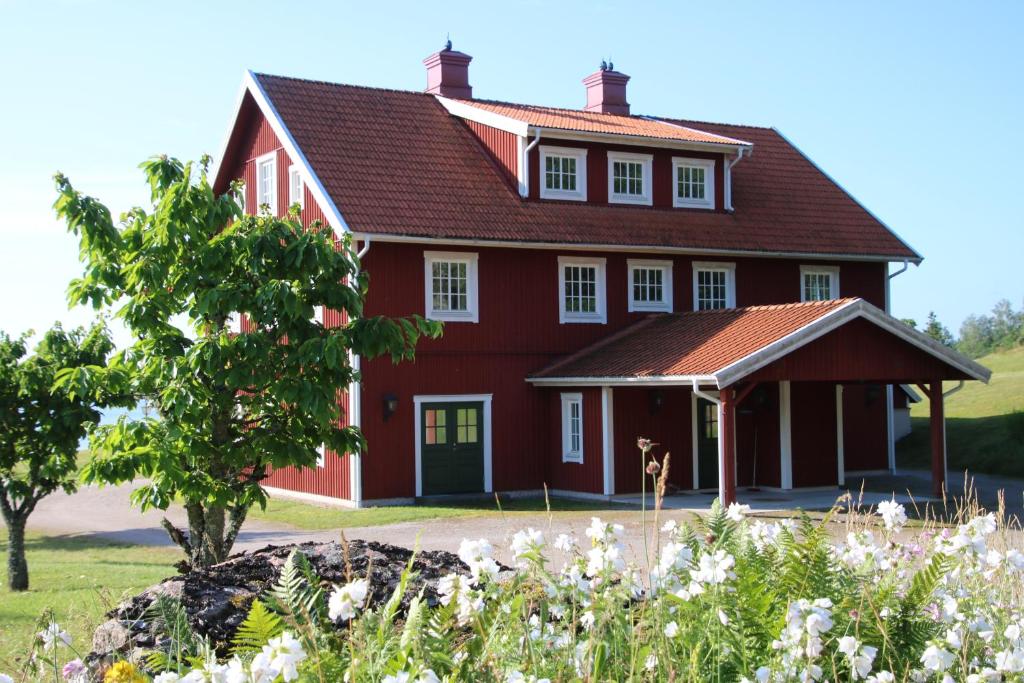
x=983 y=431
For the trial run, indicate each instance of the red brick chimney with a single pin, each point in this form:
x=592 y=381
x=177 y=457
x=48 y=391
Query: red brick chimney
x=448 y=73
x=606 y=91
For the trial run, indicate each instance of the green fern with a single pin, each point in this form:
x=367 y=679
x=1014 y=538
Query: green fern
x=260 y=625
x=297 y=595
x=168 y=617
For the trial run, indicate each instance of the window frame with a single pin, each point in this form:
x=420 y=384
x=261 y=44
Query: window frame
x=577 y=153
x=730 y=281
x=321 y=455
x=294 y=172
x=600 y=316
x=261 y=161
x=709 y=183
x=647 y=162
x=665 y=305
x=569 y=455
x=471 y=259
x=833 y=283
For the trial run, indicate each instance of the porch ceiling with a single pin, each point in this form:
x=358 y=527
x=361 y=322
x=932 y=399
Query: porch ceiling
x=842 y=340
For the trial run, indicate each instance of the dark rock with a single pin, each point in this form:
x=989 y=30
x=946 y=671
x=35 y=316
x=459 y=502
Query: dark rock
x=217 y=600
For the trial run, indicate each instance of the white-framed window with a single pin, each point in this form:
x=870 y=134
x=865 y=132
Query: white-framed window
x=450 y=285
x=266 y=182
x=714 y=286
x=563 y=173
x=321 y=455
x=296 y=195
x=629 y=178
x=240 y=195
x=572 y=428
x=650 y=285
x=819 y=283
x=693 y=183
x=581 y=290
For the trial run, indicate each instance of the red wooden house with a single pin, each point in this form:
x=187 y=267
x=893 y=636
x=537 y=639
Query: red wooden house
x=602 y=276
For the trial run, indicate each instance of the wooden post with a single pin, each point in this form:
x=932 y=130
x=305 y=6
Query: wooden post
x=727 y=434
x=938 y=428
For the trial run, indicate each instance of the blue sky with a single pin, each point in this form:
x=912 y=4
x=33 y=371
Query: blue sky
x=912 y=106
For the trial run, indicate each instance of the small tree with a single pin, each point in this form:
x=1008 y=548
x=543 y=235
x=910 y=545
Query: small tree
x=227 y=406
x=937 y=330
x=40 y=427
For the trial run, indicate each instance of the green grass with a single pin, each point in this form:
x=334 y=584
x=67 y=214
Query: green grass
x=983 y=432
x=79 y=578
x=309 y=516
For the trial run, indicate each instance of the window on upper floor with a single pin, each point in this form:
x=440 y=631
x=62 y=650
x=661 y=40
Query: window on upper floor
x=564 y=173
x=629 y=178
x=694 y=183
x=819 y=283
x=714 y=286
x=581 y=290
x=650 y=285
x=450 y=284
x=296 y=195
x=266 y=182
x=240 y=196
x=572 y=428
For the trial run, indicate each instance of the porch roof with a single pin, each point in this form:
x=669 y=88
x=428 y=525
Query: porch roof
x=724 y=346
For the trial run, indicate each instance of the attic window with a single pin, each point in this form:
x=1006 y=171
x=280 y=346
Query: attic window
x=266 y=182
x=629 y=178
x=819 y=283
x=694 y=182
x=564 y=173
x=295 y=187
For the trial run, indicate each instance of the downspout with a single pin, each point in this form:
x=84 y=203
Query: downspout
x=890 y=419
x=524 y=159
x=728 y=177
x=355 y=407
x=721 y=454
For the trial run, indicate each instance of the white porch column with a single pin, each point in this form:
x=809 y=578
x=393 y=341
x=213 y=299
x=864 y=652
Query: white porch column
x=785 y=437
x=840 y=453
x=608 y=439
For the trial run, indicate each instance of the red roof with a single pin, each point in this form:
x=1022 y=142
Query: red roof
x=688 y=344
x=597 y=122
x=397 y=163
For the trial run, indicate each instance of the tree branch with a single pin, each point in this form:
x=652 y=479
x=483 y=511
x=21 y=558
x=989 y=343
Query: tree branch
x=177 y=535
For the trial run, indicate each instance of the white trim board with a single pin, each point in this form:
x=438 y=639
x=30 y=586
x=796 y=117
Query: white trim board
x=608 y=439
x=454 y=398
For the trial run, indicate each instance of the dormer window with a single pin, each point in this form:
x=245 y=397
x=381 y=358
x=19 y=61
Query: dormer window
x=629 y=178
x=694 y=183
x=564 y=174
x=266 y=182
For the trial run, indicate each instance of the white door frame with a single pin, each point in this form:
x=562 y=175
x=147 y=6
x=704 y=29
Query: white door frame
x=453 y=398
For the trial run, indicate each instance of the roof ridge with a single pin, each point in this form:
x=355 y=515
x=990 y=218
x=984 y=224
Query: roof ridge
x=602 y=342
x=343 y=85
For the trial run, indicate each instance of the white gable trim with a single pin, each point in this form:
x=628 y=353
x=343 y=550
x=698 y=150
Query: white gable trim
x=488 y=118
x=251 y=85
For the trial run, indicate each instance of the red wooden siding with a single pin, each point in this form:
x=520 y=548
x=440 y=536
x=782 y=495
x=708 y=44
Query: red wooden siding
x=813 y=406
x=503 y=147
x=670 y=428
x=865 y=428
x=757 y=437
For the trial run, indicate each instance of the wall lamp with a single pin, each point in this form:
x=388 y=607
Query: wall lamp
x=390 y=405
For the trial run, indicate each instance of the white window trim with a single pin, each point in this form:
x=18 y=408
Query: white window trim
x=730 y=280
x=568 y=455
x=831 y=271
x=486 y=399
x=294 y=171
x=709 y=183
x=321 y=455
x=577 y=153
x=260 y=161
x=666 y=286
x=647 y=161
x=601 y=316
x=244 y=200
x=472 y=315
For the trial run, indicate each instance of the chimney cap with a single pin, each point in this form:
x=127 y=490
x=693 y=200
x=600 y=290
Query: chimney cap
x=606 y=90
x=448 y=73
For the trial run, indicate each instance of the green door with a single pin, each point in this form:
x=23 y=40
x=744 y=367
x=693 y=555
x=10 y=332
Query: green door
x=707 y=444
x=452 y=447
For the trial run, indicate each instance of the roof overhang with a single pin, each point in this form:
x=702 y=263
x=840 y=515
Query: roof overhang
x=251 y=87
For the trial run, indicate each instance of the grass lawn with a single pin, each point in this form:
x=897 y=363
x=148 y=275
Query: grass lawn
x=308 y=516
x=983 y=433
x=80 y=579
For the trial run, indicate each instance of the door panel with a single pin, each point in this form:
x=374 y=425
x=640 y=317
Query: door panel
x=452 y=447
x=707 y=444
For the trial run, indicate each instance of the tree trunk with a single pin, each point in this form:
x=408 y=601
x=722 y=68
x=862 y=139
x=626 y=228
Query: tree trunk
x=17 y=566
x=212 y=531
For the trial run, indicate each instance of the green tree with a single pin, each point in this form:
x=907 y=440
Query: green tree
x=910 y=322
x=227 y=406
x=41 y=427
x=937 y=330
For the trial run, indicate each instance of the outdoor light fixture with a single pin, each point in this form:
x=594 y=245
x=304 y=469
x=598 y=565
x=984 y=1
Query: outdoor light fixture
x=390 y=405
x=656 y=400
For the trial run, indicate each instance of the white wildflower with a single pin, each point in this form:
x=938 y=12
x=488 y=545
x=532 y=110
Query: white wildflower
x=54 y=636
x=285 y=654
x=478 y=556
x=893 y=514
x=736 y=511
x=565 y=542
x=346 y=600
x=671 y=629
x=936 y=659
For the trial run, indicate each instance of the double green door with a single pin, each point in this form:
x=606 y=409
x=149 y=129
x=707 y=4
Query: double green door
x=452 y=451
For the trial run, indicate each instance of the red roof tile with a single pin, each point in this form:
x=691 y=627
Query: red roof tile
x=596 y=122
x=397 y=163
x=685 y=344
